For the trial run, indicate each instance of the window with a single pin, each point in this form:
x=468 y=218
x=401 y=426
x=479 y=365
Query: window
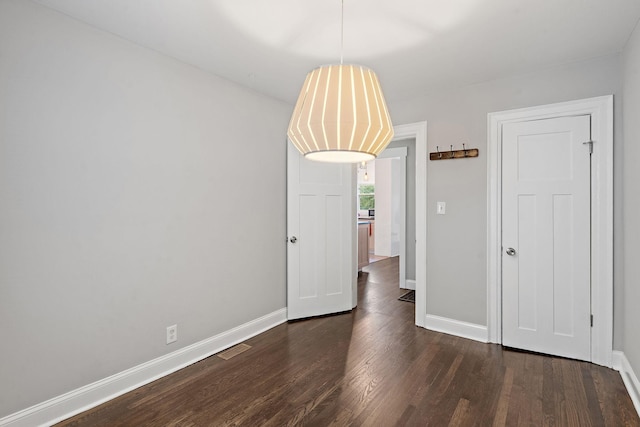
x=366 y=197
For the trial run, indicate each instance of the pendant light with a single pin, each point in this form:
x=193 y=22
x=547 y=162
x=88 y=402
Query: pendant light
x=341 y=115
x=366 y=171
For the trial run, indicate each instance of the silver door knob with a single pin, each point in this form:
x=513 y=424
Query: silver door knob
x=293 y=239
x=511 y=252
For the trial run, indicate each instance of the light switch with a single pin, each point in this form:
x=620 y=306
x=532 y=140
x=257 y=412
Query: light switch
x=441 y=208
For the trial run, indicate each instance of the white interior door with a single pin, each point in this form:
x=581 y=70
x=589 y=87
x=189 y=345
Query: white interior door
x=547 y=236
x=321 y=227
x=386 y=240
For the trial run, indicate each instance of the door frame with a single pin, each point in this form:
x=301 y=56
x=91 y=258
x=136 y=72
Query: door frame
x=418 y=131
x=400 y=153
x=601 y=111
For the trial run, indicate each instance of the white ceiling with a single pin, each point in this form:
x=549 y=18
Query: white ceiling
x=415 y=46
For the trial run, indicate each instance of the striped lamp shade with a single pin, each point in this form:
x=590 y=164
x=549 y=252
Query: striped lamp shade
x=341 y=115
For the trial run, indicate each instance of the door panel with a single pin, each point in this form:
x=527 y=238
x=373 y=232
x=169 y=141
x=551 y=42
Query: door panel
x=527 y=277
x=546 y=220
x=563 y=267
x=321 y=221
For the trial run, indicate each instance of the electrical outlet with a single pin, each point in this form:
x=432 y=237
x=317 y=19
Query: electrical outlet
x=172 y=334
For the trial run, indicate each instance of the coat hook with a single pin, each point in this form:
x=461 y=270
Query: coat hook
x=465 y=150
x=439 y=153
x=452 y=154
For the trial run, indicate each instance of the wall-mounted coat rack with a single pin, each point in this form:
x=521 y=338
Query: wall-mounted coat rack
x=453 y=154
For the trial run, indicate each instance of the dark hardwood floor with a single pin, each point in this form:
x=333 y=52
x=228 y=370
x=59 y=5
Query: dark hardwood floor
x=374 y=367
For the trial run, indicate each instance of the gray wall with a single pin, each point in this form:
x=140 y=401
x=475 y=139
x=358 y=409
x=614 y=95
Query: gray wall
x=631 y=200
x=456 y=242
x=410 y=221
x=135 y=192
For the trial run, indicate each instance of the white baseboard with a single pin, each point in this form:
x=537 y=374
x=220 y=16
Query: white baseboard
x=457 y=328
x=410 y=284
x=631 y=382
x=91 y=395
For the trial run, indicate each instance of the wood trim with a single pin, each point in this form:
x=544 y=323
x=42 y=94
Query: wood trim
x=630 y=379
x=457 y=328
x=91 y=395
x=455 y=154
x=601 y=111
x=418 y=131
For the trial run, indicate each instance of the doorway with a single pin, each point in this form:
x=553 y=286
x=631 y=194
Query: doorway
x=299 y=291
x=600 y=113
x=369 y=198
x=386 y=197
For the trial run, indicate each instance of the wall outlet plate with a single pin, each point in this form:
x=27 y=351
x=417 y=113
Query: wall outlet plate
x=172 y=334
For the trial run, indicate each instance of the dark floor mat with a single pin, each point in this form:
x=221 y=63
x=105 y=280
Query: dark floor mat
x=408 y=297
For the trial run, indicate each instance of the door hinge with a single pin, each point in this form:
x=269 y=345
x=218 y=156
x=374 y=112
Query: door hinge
x=590 y=144
x=592 y=320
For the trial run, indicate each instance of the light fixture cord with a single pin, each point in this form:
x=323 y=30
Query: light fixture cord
x=341 y=32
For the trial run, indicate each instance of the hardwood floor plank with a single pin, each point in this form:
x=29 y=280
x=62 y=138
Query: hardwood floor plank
x=460 y=414
x=530 y=389
x=559 y=395
x=575 y=396
x=504 y=400
x=593 y=403
x=613 y=398
x=373 y=367
x=548 y=394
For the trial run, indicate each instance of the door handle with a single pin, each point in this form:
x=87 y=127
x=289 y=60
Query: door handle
x=511 y=252
x=293 y=239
